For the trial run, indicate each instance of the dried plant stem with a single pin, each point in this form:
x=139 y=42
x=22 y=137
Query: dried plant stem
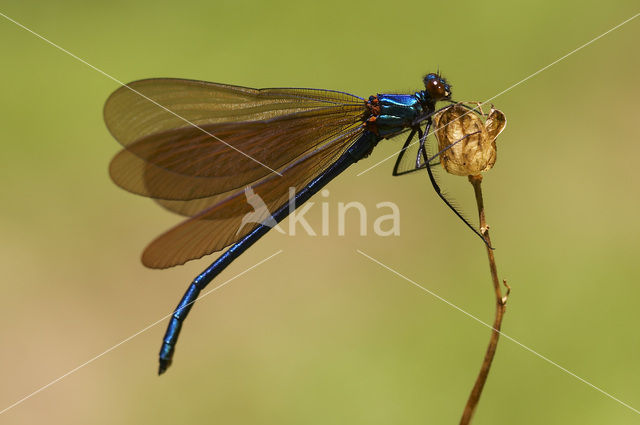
x=501 y=304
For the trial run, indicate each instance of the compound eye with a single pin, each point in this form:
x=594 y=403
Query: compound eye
x=436 y=87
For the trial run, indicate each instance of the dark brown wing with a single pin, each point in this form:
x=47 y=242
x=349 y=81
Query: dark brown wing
x=189 y=139
x=186 y=163
x=146 y=107
x=221 y=224
x=193 y=145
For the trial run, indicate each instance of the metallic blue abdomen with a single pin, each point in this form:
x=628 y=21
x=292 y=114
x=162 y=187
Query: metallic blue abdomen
x=397 y=112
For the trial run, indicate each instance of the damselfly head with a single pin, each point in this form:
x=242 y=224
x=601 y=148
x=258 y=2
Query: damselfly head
x=437 y=87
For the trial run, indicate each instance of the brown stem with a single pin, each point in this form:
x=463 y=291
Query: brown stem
x=501 y=302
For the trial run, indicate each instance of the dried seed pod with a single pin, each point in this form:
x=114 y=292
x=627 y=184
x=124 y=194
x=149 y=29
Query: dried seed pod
x=466 y=142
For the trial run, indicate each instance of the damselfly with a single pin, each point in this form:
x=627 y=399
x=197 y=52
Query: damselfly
x=195 y=147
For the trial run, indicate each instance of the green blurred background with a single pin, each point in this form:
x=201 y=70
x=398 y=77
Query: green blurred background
x=320 y=334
